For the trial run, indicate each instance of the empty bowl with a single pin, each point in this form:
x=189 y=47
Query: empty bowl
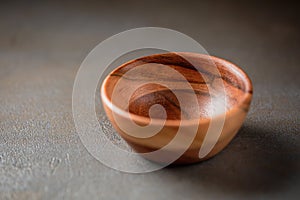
x=150 y=99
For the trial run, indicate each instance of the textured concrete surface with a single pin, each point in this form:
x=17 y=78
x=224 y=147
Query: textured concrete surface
x=41 y=48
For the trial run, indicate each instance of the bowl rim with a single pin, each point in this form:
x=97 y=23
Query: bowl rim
x=237 y=71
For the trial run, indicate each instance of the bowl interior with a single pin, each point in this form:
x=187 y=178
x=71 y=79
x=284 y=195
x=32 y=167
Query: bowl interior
x=140 y=91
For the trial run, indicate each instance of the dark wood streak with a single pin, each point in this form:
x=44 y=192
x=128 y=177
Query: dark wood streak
x=175 y=104
x=232 y=83
x=197 y=92
x=164 y=79
x=190 y=67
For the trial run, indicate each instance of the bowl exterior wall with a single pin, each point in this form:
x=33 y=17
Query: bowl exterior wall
x=233 y=122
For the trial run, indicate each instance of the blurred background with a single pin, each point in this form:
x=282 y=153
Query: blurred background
x=42 y=44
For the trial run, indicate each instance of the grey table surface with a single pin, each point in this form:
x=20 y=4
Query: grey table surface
x=41 y=48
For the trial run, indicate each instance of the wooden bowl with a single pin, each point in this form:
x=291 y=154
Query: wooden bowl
x=129 y=97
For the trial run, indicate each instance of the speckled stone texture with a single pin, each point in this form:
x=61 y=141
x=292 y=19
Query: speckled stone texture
x=41 y=48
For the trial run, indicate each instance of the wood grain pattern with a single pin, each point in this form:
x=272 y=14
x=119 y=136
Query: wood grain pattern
x=205 y=85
